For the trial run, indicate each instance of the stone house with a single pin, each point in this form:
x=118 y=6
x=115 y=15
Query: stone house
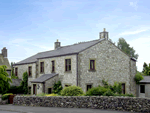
x=84 y=64
x=4 y=60
x=144 y=87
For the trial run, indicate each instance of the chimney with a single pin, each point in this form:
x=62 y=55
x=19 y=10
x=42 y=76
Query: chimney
x=4 y=52
x=103 y=34
x=57 y=44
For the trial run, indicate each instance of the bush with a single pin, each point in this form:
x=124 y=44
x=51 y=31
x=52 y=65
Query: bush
x=96 y=91
x=138 y=77
x=16 y=90
x=72 y=91
x=42 y=94
x=57 y=88
x=4 y=97
x=108 y=93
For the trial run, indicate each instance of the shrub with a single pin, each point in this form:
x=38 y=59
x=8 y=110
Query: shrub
x=129 y=95
x=41 y=94
x=108 y=93
x=96 y=91
x=4 y=97
x=138 y=77
x=72 y=91
x=57 y=88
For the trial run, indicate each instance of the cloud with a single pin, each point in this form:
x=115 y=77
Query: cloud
x=134 y=32
x=134 y=5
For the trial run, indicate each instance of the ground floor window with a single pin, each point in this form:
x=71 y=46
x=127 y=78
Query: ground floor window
x=67 y=85
x=142 y=88
x=88 y=87
x=123 y=88
x=49 y=90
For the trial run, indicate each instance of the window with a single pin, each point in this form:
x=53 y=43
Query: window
x=68 y=64
x=88 y=87
x=67 y=85
x=49 y=90
x=53 y=66
x=16 y=71
x=92 y=64
x=123 y=88
x=30 y=71
x=142 y=88
x=42 y=67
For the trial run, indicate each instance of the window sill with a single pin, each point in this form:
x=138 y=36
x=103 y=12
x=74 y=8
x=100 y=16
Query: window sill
x=53 y=72
x=68 y=71
x=91 y=70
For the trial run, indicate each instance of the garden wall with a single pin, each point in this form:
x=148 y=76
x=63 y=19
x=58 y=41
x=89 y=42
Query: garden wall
x=95 y=102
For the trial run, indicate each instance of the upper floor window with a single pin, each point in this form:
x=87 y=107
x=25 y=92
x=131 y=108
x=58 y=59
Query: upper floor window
x=16 y=71
x=92 y=64
x=123 y=88
x=42 y=67
x=30 y=70
x=142 y=88
x=68 y=64
x=53 y=66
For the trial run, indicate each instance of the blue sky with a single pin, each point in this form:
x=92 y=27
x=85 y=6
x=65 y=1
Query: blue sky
x=31 y=26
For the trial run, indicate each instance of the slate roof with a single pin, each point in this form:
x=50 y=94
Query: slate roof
x=44 y=77
x=63 y=50
x=15 y=82
x=4 y=61
x=146 y=80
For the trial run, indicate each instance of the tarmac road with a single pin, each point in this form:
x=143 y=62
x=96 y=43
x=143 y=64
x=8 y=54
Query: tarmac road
x=28 y=109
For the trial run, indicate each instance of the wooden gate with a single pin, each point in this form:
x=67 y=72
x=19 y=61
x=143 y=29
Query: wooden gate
x=11 y=99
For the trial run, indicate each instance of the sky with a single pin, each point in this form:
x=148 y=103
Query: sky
x=28 y=27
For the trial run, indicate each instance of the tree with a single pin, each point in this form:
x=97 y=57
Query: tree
x=24 y=83
x=147 y=70
x=12 y=72
x=124 y=46
x=144 y=66
x=57 y=87
x=4 y=80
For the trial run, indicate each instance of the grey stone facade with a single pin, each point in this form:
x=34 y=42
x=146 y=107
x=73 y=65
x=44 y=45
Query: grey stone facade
x=131 y=104
x=111 y=64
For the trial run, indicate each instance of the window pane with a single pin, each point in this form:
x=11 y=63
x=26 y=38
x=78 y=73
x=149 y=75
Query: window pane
x=142 y=88
x=69 y=67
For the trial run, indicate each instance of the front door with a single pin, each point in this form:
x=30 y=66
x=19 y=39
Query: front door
x=34 y=89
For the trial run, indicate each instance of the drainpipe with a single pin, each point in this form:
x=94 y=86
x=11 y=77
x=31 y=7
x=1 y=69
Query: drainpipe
x=77 y=68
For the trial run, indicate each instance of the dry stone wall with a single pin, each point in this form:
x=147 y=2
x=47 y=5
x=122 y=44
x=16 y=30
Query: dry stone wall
x=133 y=104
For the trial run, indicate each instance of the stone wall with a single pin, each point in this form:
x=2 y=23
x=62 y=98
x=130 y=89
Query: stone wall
x=3 y=102
x=95 y=102
x=111 y=64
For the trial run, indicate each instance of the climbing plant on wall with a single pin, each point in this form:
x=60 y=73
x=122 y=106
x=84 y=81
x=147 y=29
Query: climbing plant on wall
x=24 y=83
x=57 y=87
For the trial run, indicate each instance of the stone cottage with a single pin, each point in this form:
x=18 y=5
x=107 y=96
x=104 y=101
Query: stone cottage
x=4 y=60
x=84 y=64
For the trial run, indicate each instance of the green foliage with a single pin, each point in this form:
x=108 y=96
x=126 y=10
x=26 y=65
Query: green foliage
x=16 y=90
x=144 y=65
x=138 y=77
x=42 y=94
x=124 y=46
x=4 y=80
x=57 y=87
x=116 y=88
x=147 y=70
x=4 y=97
x=24 y=83
x=72 y=91
x=108 y=93
x=129 y=95
x=96 y=91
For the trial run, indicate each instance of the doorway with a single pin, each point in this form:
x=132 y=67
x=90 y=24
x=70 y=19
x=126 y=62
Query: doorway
x=34 y=89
